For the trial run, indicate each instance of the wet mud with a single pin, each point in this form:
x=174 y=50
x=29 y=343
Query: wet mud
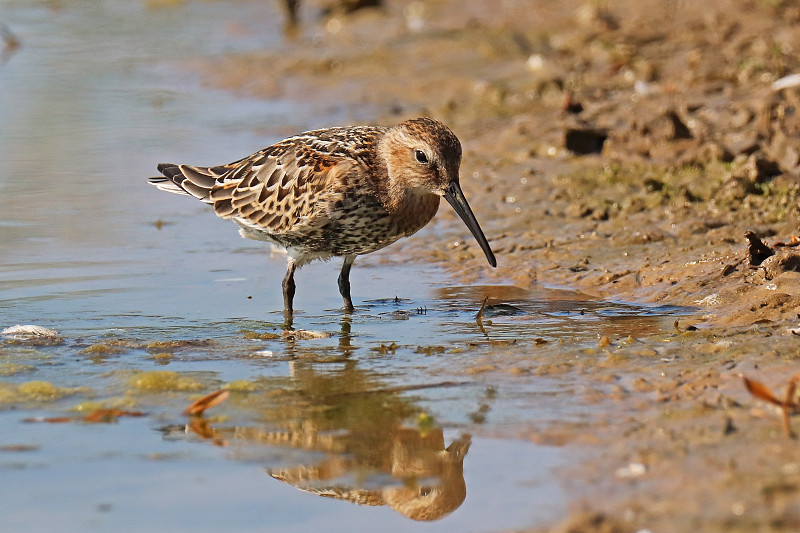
x=636 y=151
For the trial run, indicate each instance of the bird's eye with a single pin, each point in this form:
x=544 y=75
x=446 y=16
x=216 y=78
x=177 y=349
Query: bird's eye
x=421 y=157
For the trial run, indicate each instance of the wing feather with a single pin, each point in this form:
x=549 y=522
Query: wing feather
x=283 y=188
x=288 y=189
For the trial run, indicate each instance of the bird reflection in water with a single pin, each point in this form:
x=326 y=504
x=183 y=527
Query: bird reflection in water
x=413 y=472
x=371 y=455
x=408 y=469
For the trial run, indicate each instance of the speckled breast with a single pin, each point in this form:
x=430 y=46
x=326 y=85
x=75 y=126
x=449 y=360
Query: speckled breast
x=358 y=225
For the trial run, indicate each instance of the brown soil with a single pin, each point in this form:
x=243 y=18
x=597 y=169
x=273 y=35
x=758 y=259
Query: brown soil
x=623 y=149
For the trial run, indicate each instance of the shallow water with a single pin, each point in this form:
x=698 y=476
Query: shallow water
x=157 y=302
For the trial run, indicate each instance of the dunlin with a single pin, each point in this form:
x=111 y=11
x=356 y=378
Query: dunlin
x=335 y=192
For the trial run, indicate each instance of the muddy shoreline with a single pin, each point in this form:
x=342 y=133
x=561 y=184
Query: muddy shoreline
x=624 y=151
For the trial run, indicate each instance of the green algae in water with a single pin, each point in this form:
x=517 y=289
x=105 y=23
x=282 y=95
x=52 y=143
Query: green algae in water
x=164 y=380
x=253 y=335
x=103 y=349
x=241 y=385
x=12 y=369
x=173 y=345
x=38 y=391
x=42 y=391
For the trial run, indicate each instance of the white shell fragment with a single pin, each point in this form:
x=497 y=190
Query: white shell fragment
x=29 y=332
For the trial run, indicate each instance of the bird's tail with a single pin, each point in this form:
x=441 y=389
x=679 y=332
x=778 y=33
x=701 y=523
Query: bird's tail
x=185 y=179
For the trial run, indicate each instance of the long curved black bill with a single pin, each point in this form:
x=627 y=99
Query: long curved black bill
x=455 y=197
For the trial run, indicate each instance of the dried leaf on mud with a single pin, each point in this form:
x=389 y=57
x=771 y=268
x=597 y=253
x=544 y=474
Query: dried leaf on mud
x=761 y=391
x=788 y=405
x=794 y=240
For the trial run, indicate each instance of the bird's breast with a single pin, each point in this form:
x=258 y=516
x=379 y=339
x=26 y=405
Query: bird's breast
x=358 y=224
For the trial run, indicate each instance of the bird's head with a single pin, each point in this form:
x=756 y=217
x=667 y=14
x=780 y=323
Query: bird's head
x=423 y=156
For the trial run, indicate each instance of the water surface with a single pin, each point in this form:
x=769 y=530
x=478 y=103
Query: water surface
x=402 y=414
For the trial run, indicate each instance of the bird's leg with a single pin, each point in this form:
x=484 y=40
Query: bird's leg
x=344 y=282
x=288 y=289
